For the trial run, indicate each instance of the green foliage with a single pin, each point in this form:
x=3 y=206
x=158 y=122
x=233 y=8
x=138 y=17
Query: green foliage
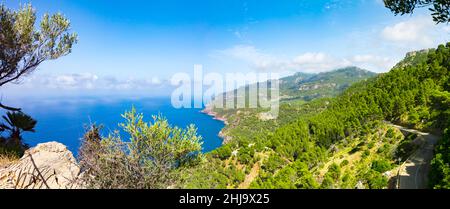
x=153 y=157
x=440 y=165
x=245 y=154
x=418 y=91
x=328 y=84
x=348 y=181
x=327 y=183
x=376 y=180
x=370 y=145
x=385 y=97
x=223 y=152
x=23 y=48
x=273 y=163
x=159 y=141
x=294 y=176
x=344 y=163
x=365 y=154
x=390 y=133
x=334 y=171
x=385 y=150
x=16 y=123
x=414 y=93
x=381 y=165
x=332 y=177
x=440 y=8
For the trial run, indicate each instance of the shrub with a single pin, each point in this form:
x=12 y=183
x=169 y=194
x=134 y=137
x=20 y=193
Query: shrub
x=376 y=180
x=365 y=154
x=381 y=165
x=344 y=163
x=153 y=157
x=390 y=133
x=370 y=145
x=16 y=122
x=273 y=163
x=440 y=166
x=334 y=171
x=327 y=182
x=223 y=152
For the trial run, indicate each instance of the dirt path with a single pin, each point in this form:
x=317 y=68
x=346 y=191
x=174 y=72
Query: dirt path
x=251 y=176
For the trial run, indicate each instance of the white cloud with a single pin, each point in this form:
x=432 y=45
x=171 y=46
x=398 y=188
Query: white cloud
x=413 y=31
x=85 y=81
x=307 y=62
x=377 y=48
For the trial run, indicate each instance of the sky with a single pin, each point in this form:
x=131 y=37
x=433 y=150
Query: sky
x=134 y=46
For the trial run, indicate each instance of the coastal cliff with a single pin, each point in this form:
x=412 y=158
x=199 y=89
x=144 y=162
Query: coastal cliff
x=222 y=134
x=209 y=111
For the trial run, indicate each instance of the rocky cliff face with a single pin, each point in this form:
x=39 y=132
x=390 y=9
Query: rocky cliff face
x=46 y=166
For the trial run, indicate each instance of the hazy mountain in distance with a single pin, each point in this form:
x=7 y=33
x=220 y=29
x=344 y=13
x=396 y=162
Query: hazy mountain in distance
x=309 y=86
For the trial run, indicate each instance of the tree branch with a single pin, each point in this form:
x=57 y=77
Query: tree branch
x=25 y=70
x=9 y=108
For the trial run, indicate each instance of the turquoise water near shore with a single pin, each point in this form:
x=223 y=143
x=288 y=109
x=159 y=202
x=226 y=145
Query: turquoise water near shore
x=63 y=119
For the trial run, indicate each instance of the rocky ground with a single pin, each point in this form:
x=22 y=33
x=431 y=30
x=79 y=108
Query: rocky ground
x=47 y=166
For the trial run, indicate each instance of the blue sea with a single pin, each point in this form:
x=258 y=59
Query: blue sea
x=64 y=119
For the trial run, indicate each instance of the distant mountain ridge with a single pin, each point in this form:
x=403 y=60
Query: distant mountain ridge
x=310 y=86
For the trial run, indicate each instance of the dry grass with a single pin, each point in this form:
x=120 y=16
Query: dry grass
x=7 y=159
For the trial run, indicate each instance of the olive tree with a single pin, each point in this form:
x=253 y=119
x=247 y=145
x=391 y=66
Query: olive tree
x=23 y=46
x=154 y=156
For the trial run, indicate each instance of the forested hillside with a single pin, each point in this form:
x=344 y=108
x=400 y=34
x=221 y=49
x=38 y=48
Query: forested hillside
x=343 y=142
x=415 y=95
x=310 y=86
x=249 y=124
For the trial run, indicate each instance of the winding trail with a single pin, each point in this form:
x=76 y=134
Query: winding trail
x=413 y=173
x=251 y=176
